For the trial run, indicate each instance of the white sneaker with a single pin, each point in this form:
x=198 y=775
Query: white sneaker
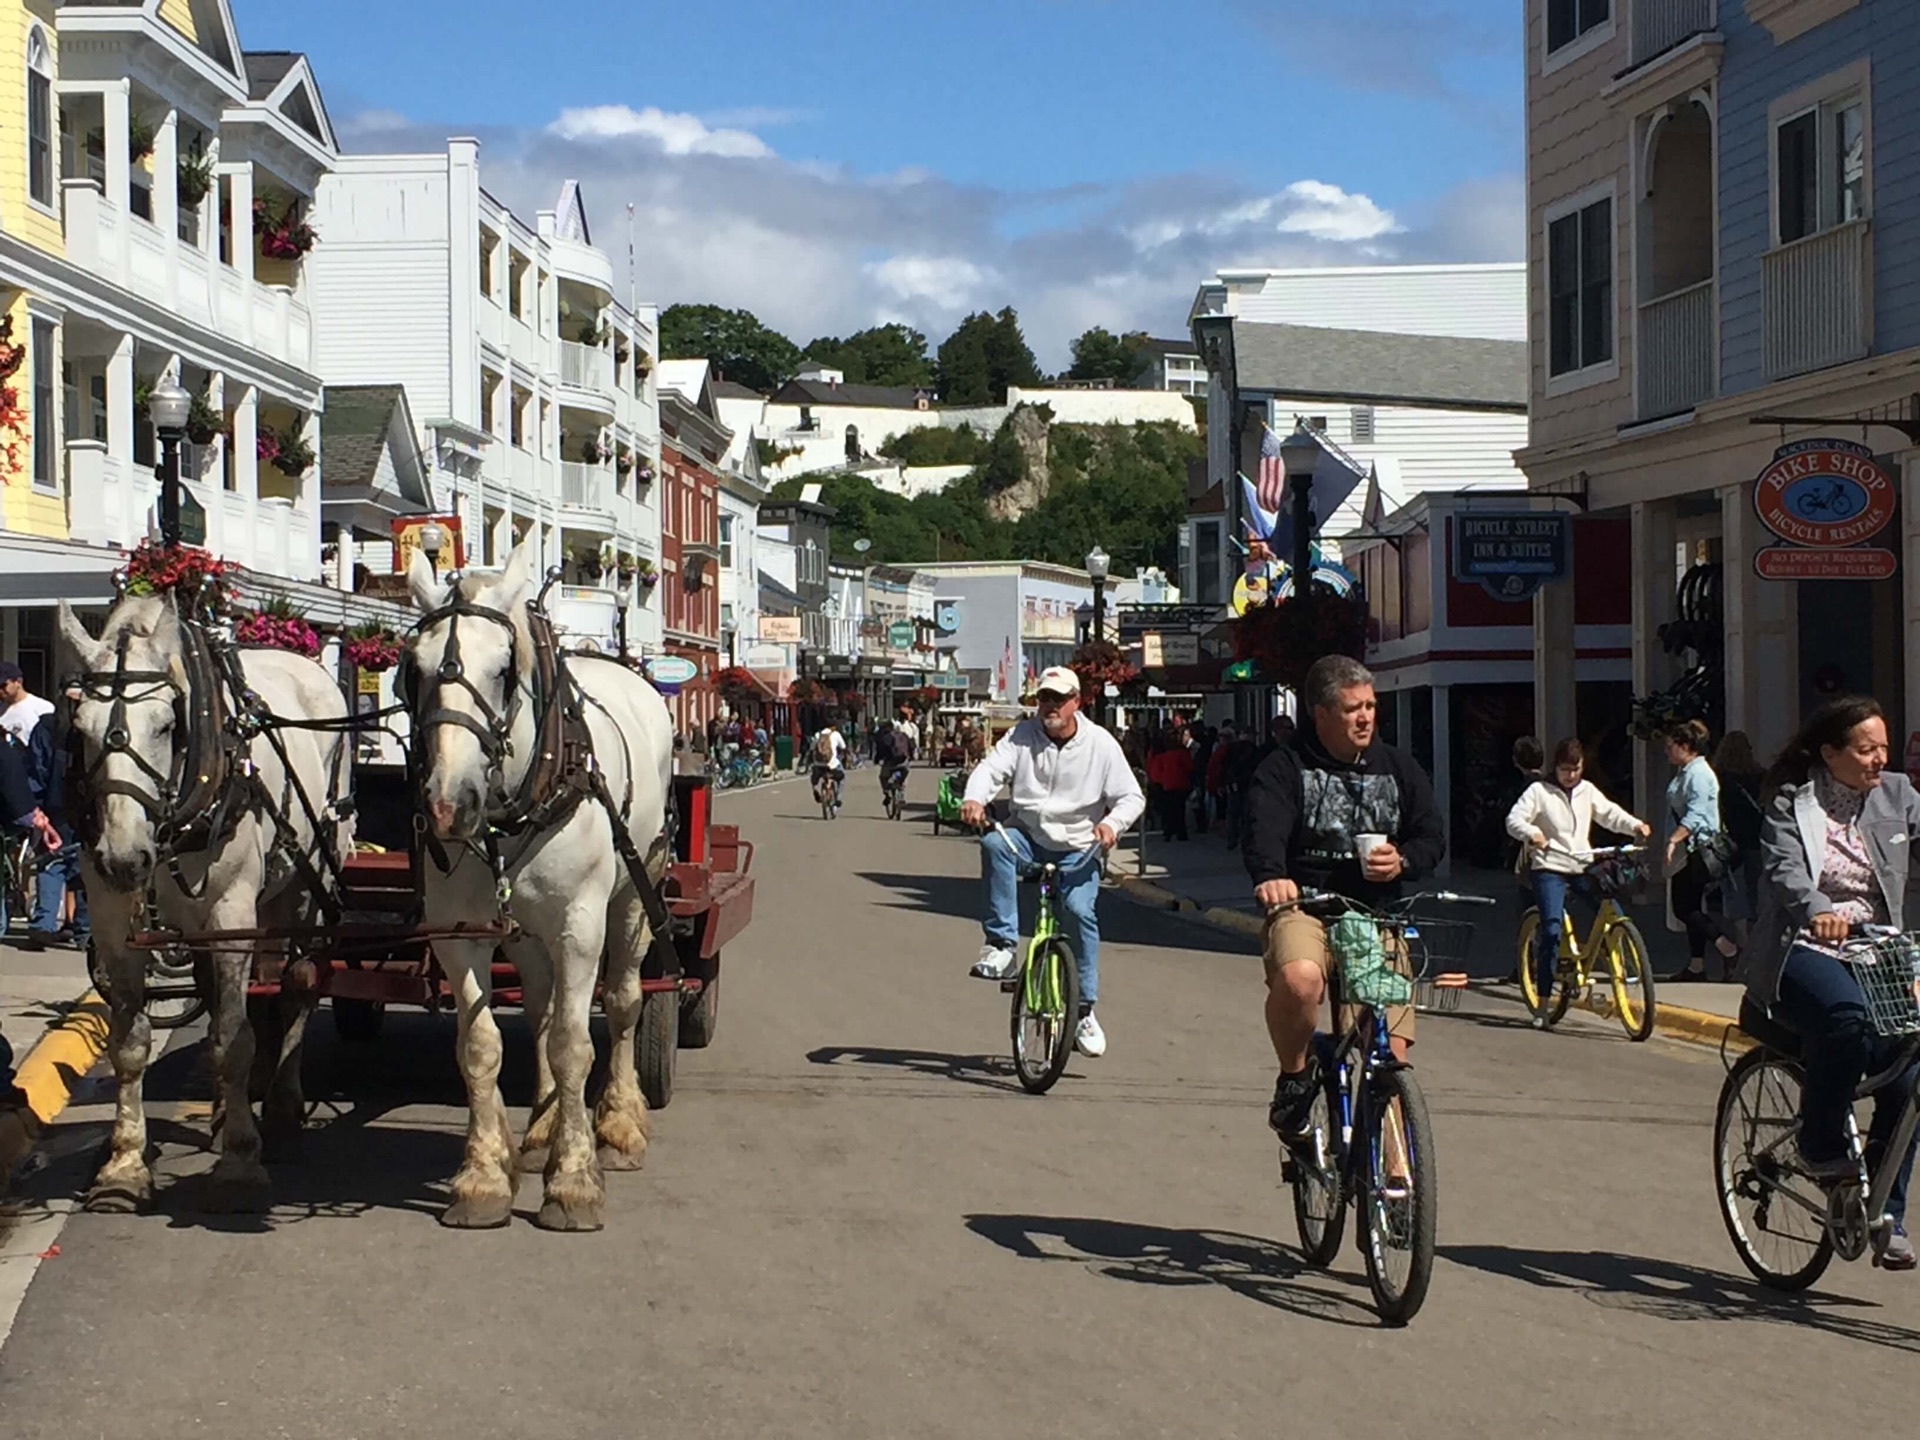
x=996 y=962
x=1090 y=1040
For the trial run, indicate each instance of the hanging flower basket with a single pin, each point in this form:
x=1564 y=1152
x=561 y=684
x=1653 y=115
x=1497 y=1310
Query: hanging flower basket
x=807 y=692
x=193 y=177
x=372 y=648
x=592 y=452
x=623 y=462
x=736 y=686
x=645 y=572
x=1283 y=640
x=278 y=626
x=645 y=472
x=292 y=455
x=190 y=574
x=643 y=364
x=282 y=237
x=204 y=423
x=621 y=349
x=1100 y=663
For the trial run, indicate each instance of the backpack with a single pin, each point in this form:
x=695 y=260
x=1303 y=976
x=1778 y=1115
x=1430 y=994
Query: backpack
x=823 y=746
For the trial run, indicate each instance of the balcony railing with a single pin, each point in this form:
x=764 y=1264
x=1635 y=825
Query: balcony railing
x=1675 y=352
x=1815 y=297
x=583 y=485
x=585 y=368
x=1659 y=25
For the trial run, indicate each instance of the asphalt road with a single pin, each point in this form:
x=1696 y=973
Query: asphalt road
x=853 y=1224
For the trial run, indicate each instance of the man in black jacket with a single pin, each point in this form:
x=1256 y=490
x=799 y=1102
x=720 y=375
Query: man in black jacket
x=1309 y=802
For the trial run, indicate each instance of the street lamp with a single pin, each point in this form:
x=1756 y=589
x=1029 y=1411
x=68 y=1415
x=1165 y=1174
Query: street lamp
x=433 y=539
x=1300 y=453
x=169 y=407
x=1098 y=562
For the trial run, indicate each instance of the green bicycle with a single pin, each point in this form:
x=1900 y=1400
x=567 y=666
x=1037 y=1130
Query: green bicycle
x=1046 y=992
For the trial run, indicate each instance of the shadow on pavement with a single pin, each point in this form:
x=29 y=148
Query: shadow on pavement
x=1669 y=1290
x=990 y=1072
x=1154 y=1255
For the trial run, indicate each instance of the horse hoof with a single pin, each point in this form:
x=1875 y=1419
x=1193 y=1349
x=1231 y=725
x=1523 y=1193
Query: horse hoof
x=479 y=1212
x=579 y=1217
x=119 y=1199
x=612 y=1158
x=534 y=1161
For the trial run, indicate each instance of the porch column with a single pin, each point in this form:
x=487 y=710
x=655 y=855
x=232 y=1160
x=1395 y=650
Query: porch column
x=1443 y=766
x=1654 y=583
x=126 y=526
x=1555 y=663
x=1762 y=640
x=240 y=198
x=246 y=442
x=115 y=115
x=166 y=176
x=343 y=558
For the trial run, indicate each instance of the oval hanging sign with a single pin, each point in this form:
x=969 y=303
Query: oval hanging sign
x=1825 y=494
x=672 y=670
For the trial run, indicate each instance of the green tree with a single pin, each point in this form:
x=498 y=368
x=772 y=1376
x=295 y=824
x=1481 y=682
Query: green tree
x=745 y=350
x=893 y=355
x=1101 y=355
x=984 y=355
x=937 y=445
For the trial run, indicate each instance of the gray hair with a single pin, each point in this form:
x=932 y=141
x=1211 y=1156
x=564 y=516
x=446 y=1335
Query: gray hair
x=1330 y=676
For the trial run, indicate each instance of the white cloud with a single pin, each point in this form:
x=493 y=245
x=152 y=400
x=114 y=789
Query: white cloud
x=675 y=134
x=816 y=249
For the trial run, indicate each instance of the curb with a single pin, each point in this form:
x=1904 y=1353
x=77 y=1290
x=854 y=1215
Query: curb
x=1145 y=892
x=63 y=1056
x=1676 y=1022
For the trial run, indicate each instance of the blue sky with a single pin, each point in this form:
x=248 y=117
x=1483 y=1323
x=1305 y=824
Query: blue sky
x=852 y=160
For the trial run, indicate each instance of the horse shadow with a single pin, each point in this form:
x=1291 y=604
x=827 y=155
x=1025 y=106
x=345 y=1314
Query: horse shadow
x=1245 y=1265
x=1672 y=1290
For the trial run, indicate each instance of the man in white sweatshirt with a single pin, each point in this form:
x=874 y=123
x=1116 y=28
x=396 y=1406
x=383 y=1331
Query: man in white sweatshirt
x=1074 y=795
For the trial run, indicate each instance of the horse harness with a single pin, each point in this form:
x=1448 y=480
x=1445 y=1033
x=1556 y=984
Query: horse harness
x=563 y=771
x=211 y=782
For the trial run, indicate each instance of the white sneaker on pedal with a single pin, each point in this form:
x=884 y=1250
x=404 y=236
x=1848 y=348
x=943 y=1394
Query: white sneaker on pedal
x=996 y=962
x=1090 y=1040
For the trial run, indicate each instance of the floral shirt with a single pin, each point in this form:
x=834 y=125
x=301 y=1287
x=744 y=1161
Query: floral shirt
x=1847 y=877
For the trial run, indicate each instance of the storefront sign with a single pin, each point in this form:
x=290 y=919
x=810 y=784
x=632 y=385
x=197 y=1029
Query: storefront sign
x=1825 y=499
x=784 y=629
x=1159 y=651
x=900 y=635
x=1511 y=554
x=674 y=670
x=766 y=656
x=946 y=617
x=406 y=540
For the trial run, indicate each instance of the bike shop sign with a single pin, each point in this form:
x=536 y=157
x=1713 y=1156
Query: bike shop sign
x=1825 y=499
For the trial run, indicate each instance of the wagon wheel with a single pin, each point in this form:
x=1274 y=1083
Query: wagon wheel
x=699 y=1014
x=658 y=1042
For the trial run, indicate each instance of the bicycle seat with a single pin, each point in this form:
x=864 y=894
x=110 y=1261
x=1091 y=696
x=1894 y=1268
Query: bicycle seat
x=1767 y=1031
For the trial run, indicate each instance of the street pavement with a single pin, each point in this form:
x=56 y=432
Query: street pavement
x=853 y=1224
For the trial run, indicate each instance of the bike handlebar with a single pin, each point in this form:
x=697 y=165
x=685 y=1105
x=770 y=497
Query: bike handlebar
x=1395 y=911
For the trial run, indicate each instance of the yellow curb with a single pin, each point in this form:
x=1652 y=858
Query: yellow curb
x=1676 y=1022
x=63 y=1057
x=1237 y=921
x=1147 y=893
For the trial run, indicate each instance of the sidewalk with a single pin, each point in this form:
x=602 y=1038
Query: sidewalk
x=56 y=1028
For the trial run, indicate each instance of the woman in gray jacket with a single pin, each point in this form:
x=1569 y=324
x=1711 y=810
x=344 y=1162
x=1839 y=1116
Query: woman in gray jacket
x=1834 y=845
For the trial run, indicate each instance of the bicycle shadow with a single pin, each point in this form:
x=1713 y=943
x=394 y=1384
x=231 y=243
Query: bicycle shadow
x=1246 y=1265
x=1672 y=1290
x=988 y=1072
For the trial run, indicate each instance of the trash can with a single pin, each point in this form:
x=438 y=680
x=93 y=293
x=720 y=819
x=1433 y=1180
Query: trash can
x=783 y=752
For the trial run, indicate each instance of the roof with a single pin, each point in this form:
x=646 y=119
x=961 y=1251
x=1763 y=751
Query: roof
x=871 y=397
x=770 y=586
x=686 y=376
x=730 y=389
x=266 y=69
x=1172 y=347
x=1433 y=371
x=355 y=430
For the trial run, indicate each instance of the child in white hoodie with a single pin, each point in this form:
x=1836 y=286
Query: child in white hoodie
x=1553 y=819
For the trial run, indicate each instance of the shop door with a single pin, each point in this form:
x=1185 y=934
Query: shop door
x=1850 y=644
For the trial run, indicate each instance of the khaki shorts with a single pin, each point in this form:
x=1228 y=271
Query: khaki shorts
x=1293 y=937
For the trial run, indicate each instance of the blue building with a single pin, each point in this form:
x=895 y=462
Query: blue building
x=1724 y=296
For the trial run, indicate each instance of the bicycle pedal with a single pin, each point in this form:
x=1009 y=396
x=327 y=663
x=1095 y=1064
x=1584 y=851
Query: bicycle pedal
x=1007 y=987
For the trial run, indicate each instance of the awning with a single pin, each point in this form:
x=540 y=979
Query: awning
x=35 y=573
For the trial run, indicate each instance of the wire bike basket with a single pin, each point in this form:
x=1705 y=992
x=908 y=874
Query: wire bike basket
x=1438 y=951
x=1887 y=970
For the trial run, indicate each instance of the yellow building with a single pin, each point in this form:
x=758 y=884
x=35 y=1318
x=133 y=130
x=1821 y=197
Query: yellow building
x=152 y=199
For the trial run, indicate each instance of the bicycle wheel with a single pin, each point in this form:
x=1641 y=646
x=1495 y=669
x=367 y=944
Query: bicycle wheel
x=1399 y=1213
x=1046 y=1009
x=1549 y=1009
x=1775 y=1216
x=177 y=989
x=1633 y=997
x=828 y=794
x=1319 y=1199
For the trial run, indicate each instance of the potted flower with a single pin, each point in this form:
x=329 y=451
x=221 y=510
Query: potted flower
x=204 y=423
x=141 y=134
x=643 y=364
x=592 y=452
x=624 y=568
x=645 y=473
x=1100 y=663
x=645 y=573
x=621 y=349
x=1283 y=640
x=292 y=455
x=193 y=177
x=266 y=447
x=284 y=236
x=623 y=462
x=278 y=626
x=372 y=647
x=593 y=333
x=188 y=573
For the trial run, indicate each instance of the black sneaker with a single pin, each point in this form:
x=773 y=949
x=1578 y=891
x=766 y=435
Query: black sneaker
x=1291 y=1114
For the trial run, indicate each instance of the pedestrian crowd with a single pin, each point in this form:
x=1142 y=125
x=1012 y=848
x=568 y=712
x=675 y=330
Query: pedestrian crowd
x=1197 y=776
x=33 y=809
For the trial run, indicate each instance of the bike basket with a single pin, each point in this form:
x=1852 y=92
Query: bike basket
x=1441 y=944
x=1888 y=973
x=1618 y=875
x=1365 y=977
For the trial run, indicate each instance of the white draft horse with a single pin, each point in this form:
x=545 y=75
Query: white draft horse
x=176 y=803
x=513 y=825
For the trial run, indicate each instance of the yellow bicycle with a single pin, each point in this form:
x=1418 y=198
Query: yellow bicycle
x=1614 y=941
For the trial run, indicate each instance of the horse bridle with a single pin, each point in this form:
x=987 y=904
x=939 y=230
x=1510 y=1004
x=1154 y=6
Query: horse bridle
x=162 y=803
x=492 y=728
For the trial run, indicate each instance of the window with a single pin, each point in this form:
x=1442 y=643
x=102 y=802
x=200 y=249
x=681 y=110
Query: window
x=1206 y=562
x=46 y=439
x=1820 y=168
x=39 y=118
x=1568 y=20
x=1580 y=288
x=726 y=541
x=1363 y=425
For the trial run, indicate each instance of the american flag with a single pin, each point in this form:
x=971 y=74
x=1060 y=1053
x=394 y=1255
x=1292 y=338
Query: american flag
x=1271 y=484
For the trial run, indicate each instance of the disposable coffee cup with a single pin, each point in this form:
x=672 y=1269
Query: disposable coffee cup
x=1365 y=845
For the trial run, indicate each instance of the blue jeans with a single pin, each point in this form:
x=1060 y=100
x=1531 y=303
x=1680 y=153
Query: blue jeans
x=58 y=871
x=1821 y=1003
x=1001 y=864
x=1551 y=891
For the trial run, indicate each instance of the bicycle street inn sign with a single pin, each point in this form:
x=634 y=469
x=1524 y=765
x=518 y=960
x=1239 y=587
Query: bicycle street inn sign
x=1511 y=554
x=1825 y=499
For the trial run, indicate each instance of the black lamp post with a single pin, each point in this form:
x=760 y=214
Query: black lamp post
x=169 y=407
x=1098 y=562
